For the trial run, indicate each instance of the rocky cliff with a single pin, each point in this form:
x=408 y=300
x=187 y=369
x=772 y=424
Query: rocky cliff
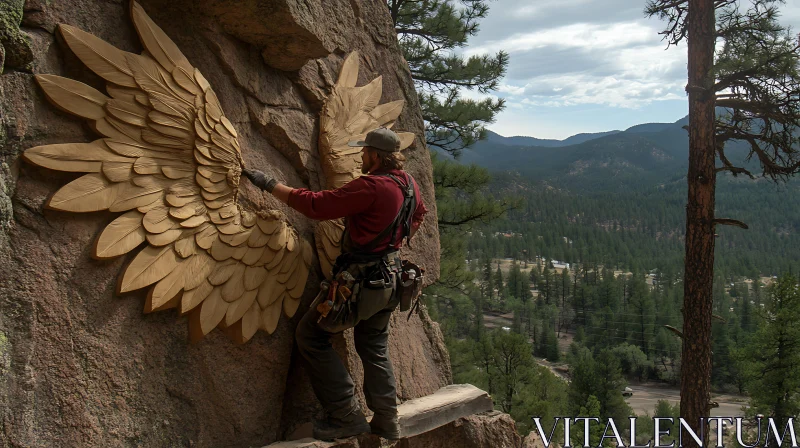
x=82 y=366
x=491 y=429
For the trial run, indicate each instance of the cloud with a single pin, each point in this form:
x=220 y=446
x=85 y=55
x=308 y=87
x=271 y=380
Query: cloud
x=509 y=89
x=617 y=65
x=572 y=55
x=508 y=17
x=610 y=91
x=477 y=96
x=589 y=37
x=580 y=52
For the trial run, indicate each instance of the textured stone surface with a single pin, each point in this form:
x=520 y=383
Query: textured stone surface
x=81 y=366
x=534 y=440
x=488 y=430
x=15 y=45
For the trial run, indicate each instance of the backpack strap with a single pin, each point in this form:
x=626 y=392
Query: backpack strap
x=406 y=214
x=403 y=218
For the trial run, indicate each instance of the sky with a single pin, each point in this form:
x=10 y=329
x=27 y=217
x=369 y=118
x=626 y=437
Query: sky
x=585 y=66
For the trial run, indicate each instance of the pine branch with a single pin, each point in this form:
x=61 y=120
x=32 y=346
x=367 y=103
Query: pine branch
x=730 y=222
x=735 y=170
x=727 y=81
x=765 y=110
x=489 y=213
x=428 y=31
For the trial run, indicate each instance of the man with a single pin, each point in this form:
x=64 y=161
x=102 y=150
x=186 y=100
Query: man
x=372 y=206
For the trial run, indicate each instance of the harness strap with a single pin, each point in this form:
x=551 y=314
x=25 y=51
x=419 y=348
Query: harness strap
x=404 y=217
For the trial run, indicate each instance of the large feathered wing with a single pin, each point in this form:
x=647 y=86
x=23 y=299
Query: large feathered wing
x=348 y=114
x=171 y=162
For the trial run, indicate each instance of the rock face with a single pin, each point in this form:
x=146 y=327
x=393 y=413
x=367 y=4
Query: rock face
x=487 y=430
x=15 y=47
x=534 y=440
x=80 y=366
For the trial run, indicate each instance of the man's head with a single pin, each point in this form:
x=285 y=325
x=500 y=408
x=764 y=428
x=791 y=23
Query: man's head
x=381 y=150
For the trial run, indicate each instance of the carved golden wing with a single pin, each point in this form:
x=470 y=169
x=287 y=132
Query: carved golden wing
x=171 y=161
x=348 y=114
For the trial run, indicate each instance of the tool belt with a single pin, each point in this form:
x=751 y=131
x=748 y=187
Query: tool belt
x=363 y=285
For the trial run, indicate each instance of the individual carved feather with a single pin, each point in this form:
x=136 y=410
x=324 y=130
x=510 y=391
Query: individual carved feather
x=77 y=157
x=348 y=114
x=74 y=97
x=121 y=236
x=171 y=161
x=100 y=56
x=89 y=193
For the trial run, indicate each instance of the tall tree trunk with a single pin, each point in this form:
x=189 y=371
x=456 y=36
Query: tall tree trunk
x=699 y=261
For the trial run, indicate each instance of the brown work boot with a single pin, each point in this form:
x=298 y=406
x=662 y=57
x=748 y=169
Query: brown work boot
x=338 y=428
x=385 y=426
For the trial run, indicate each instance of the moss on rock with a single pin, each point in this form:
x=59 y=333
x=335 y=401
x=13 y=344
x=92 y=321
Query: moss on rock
x=5 y=354
x=16 y=45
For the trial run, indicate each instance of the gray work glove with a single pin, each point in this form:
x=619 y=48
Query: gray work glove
x=260 y=179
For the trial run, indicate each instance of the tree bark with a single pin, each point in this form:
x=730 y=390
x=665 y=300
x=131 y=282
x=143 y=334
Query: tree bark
x=699 y=260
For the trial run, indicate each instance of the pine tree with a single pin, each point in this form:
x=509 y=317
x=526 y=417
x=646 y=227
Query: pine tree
x=552 y=352
x=641 y=305
x=540 y=348
x=757 y=286
x=499 y=285
x=546 y=284
x=536 y=272
x=511 y=357
x=429 y=32
x=477 y=297
x=609 y=387
x=591 y=409
x=454 y=277
x=483 y=356
x=601 y=378
x=565 y=290
x=754 y=77
x=746 y=317
x=514 y=282
x=461 y=203
x=487 y=280
x=461 y=196
x=770 y=360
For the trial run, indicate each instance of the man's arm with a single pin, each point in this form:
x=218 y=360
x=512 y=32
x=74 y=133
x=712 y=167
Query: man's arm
x=350 y=199
x=269 y=184
x=282 y=192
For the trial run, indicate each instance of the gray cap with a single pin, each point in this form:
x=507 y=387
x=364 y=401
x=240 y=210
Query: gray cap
x=382 y=139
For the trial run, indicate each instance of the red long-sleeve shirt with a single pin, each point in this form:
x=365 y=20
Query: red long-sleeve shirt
x=370 y=202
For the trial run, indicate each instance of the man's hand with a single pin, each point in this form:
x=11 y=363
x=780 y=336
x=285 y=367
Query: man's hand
x=260 y=179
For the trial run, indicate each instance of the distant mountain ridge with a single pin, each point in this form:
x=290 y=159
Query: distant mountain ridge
x=643 y=155
x=544 y=142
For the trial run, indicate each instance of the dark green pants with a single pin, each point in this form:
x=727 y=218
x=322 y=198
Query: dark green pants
x=331 y=382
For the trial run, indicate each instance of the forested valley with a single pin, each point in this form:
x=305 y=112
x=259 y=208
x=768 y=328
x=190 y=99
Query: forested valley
x=562 y=261
x=558 y=296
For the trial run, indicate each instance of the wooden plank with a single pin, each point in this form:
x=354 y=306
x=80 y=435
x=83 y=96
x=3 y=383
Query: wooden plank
x=446 y=405
x=423 y=414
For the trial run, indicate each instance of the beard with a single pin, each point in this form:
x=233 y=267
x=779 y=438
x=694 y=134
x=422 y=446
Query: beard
x=364 y=169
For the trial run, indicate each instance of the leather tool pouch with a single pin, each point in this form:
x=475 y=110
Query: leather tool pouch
x=377 y=289
x=409 y=286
